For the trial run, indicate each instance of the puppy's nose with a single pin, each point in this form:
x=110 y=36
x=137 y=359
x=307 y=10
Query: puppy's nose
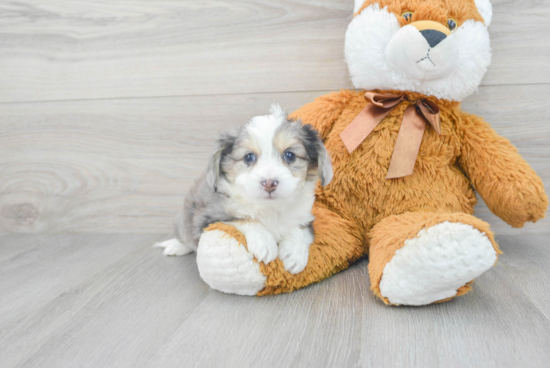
x=433 y=37
x=270 y=185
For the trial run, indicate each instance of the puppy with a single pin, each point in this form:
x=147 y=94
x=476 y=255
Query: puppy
x=261 y=180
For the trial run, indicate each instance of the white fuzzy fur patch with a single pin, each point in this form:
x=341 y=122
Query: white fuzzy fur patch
x=485 y=8
x=357 y=5
x=225 y=265
x=432 y=266
x=366 y=53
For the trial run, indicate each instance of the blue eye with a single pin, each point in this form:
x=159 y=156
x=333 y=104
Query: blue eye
x=289 y=157
x=249 y=158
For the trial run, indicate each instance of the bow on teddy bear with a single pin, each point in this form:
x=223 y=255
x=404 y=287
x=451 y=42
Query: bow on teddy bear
x=417 y=228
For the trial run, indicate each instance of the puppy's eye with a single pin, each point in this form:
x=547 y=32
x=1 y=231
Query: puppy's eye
x=408 y=15
x=289 y=157
x=249 y=158
x=451 y=23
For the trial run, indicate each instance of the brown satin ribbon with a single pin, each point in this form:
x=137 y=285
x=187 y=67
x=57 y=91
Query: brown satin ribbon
x=410 y=134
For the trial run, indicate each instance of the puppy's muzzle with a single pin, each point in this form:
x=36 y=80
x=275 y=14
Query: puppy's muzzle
x=433 y=32
x=270 y=185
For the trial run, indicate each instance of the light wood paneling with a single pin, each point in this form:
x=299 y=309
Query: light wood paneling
x=112 y=165
x=65 y=50
x=125 y=165
x=114 y=301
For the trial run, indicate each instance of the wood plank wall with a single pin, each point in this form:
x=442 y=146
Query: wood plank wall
x=108 y=109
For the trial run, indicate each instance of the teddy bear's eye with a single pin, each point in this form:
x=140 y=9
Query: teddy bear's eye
x=407 y=15
x=451 y=23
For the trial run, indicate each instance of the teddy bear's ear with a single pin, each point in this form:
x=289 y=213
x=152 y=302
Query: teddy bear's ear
x=484 y=8
x=358 y=4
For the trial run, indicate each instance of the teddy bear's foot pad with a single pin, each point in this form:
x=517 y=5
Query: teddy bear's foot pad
x=225 y=265
x=437 y=262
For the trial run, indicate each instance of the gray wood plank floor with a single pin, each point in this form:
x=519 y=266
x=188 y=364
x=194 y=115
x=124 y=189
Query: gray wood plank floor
x=114 y=301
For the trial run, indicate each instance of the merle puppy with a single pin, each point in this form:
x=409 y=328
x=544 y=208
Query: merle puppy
x=261 y=180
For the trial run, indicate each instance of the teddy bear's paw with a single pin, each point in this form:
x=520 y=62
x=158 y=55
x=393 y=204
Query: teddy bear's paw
x=225 y=265
x=437 y=262
x=173 y=247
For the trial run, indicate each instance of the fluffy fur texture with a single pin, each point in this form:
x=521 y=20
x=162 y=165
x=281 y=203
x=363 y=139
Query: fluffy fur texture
x=385 y=51
x=422 y=220
x=434 y=264
x=239 y=274
x=485 y=9
x=262 y=180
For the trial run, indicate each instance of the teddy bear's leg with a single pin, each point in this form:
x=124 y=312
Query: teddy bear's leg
x=225 y=264
x=422 y=258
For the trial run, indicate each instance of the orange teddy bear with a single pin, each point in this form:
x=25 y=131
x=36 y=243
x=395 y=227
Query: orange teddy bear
x=406 y=161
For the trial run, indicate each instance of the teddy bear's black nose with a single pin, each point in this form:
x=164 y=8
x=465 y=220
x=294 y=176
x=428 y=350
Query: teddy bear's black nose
x=433 y=37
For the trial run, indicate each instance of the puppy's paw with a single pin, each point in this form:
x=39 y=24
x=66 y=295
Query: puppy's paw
x=173 y=247
x=294 y=255
x=262 y=245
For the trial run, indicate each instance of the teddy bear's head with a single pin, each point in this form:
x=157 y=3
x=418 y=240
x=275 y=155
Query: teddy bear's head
x=434 y=47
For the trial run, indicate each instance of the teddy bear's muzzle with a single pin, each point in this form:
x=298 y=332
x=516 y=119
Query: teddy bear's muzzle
x=433 y=32
x=433 y=37
x=423 y=50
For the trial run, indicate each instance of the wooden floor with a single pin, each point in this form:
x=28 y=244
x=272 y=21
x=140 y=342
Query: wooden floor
x=115 y=301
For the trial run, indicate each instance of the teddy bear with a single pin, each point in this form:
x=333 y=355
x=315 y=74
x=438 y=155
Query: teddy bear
x=407 y=163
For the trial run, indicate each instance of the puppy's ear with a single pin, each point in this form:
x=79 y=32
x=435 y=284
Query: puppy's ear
x=213 y=171
x=325 y=166
x=225 y=146
x=317 y=153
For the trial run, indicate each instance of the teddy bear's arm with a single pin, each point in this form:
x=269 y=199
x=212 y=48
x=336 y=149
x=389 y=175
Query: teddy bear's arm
x=505 y=181
x=323 y=111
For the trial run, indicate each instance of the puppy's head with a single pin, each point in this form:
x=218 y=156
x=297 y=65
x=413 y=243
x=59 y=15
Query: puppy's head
x=270 y=158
